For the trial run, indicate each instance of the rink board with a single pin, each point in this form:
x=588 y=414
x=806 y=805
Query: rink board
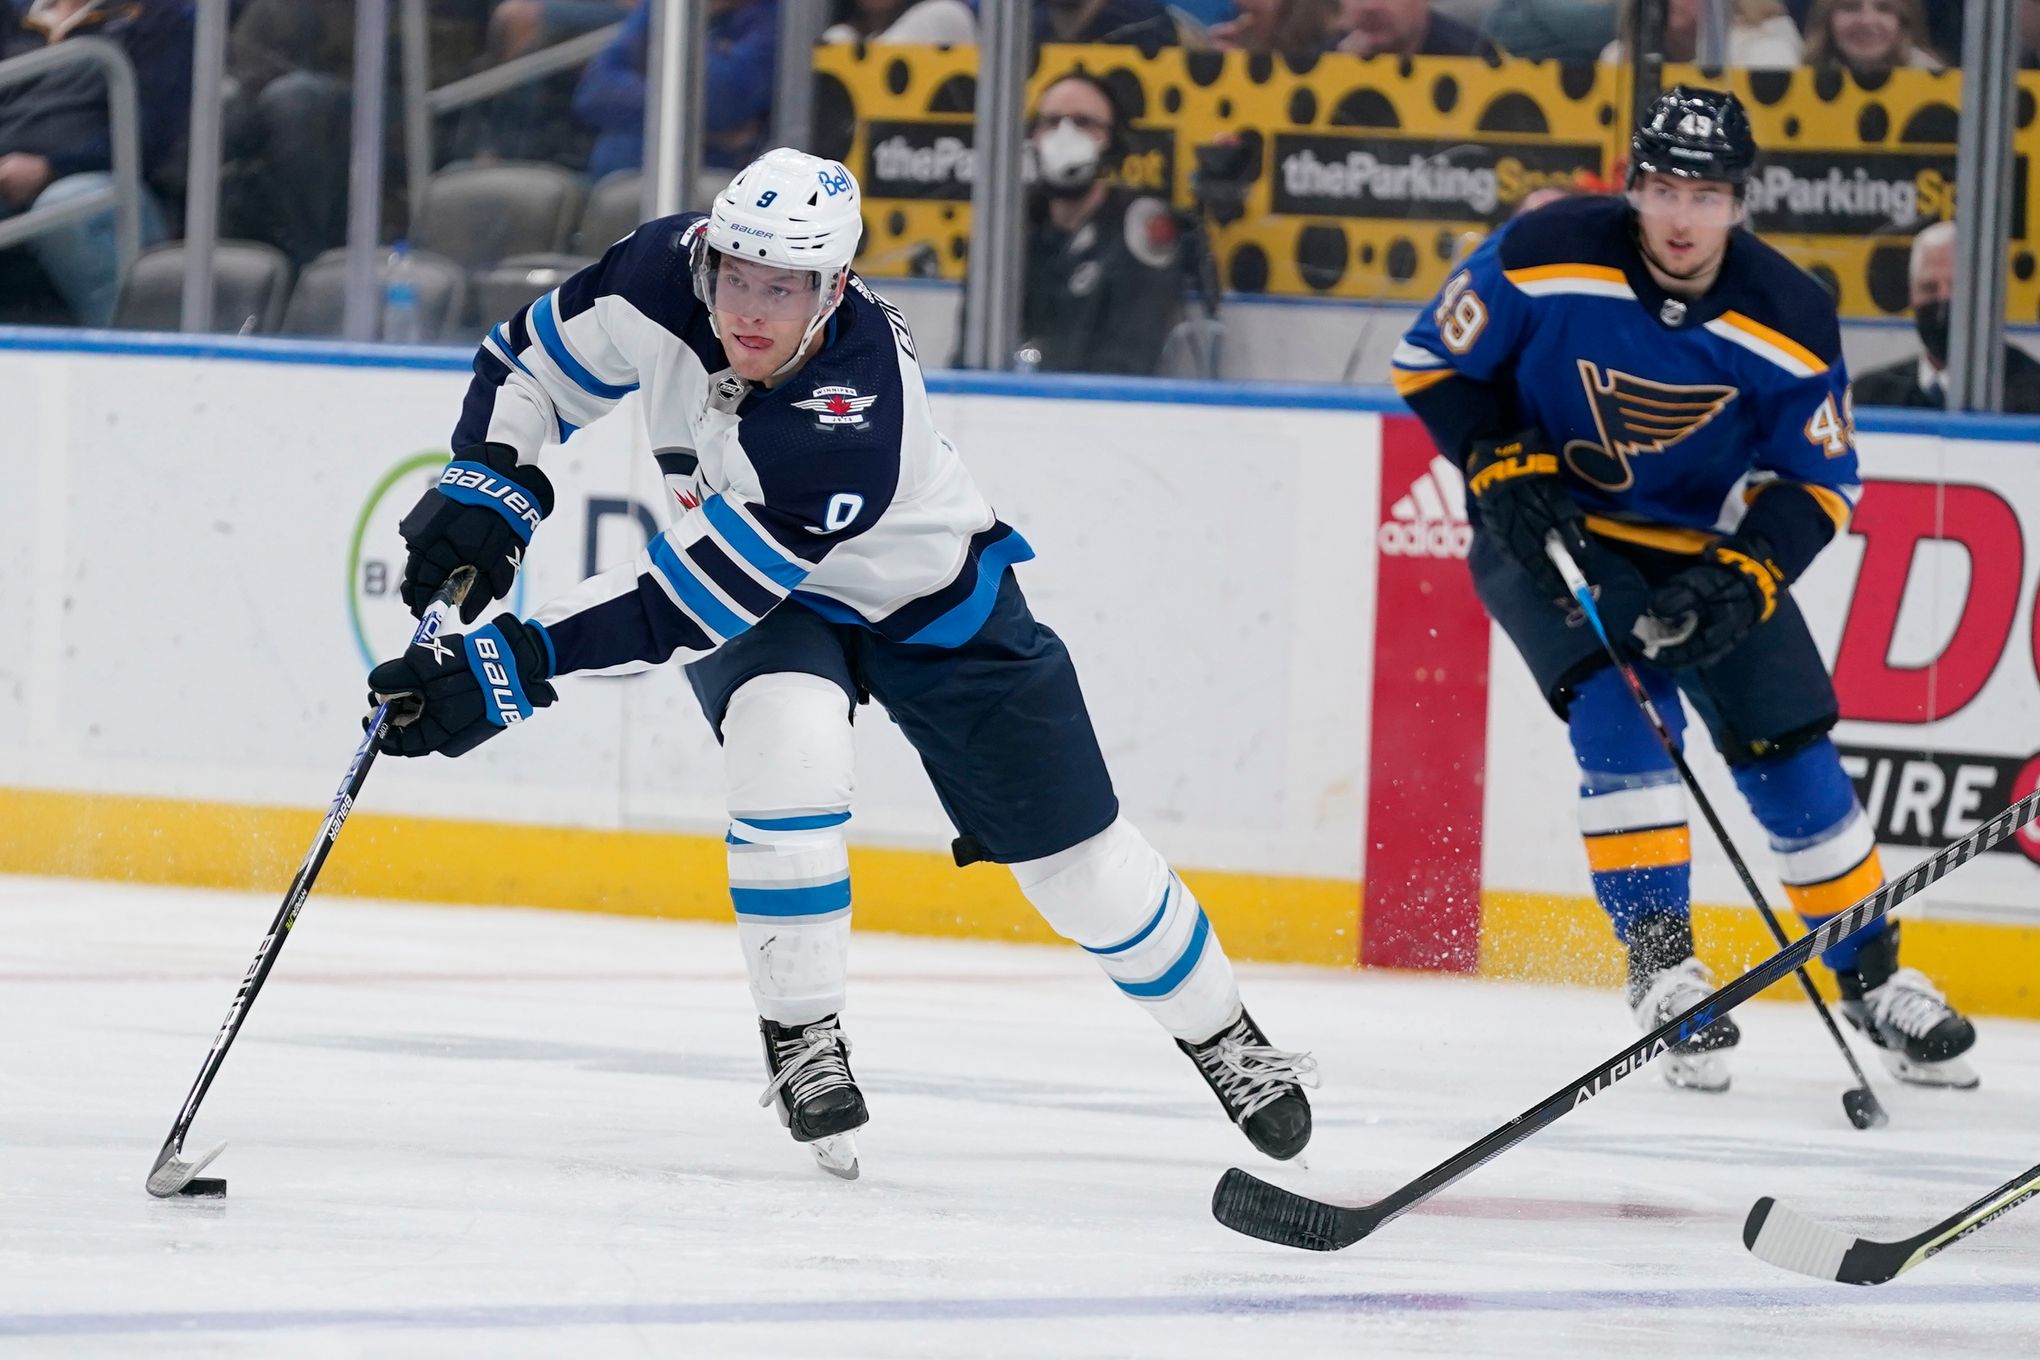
x=210 y=527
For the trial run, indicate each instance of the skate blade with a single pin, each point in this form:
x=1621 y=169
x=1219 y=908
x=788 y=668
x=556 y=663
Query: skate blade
x=1954 y=1073
x=1696 y=1071
x=837 y=1155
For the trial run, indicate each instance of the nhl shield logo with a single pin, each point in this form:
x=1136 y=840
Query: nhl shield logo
x=835 y=406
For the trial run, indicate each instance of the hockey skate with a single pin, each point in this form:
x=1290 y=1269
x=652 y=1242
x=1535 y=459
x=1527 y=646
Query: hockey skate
x=1921 y=1038
x=1260 y=1086
x=818 y=1099
x=1697 y=1063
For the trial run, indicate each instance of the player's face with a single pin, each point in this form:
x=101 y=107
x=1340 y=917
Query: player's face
x=1685 y=222
x=1866 y=32
x=762 y=312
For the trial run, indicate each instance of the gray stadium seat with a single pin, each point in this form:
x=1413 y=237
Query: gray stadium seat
x=505 y=288
x=318 y=304
x=476 y=215
x=250 y=281
x=612 y=212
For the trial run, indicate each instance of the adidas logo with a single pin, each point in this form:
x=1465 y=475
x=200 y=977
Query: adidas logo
x=1430 y=521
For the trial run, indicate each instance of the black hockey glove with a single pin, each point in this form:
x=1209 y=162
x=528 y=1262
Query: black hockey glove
x=1519 y=498
x=451 y=693
x=1699 y=615
x=480 y=515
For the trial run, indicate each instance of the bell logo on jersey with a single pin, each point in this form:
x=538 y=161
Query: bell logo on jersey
x=835 y=406
x=1430 y=520
x=1637 y=416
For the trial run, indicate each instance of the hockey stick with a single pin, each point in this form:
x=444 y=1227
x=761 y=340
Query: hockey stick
x=173 y=1172
x=1782 y=1235
x=1250 y=1205
x=1860 y=1103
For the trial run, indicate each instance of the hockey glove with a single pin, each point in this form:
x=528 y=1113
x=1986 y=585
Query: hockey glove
x=1519 y=498
x=1698 y=616
x=451 y=693
x=480 y=515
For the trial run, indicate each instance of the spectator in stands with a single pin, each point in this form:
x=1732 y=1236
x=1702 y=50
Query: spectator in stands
x=1922 y=379
x=1102 y=285
x=1761 y=35
x=1553 y=30
x=533 y=121
x=742 y=39
x=1406 y=28
x=290 y=65
x=56 y=133
x=1870 y=37
x=950 y=22
x=1143 y=22
x=1277 y=26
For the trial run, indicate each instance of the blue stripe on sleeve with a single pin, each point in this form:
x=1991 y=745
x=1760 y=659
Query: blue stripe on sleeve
x=485 y=647
x=819 y=900
x=1179 y=970
x=696 y=596
x=755 y=550
x=503 y=343
x=744 y=590
x=556 y=349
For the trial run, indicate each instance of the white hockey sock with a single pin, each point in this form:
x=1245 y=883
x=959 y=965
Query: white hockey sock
x=1116 y=896
x=790 y=885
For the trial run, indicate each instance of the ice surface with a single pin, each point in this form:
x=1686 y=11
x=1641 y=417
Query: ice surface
x=467 y=1132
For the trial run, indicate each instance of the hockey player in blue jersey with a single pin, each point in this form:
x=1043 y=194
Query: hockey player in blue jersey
x=1666 y=392
x=833 y=549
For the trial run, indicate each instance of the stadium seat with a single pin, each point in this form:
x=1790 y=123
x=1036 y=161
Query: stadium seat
x=505 y=288
x=612 y=212
x=477 y=215
x=318 y=304
x=250 y=282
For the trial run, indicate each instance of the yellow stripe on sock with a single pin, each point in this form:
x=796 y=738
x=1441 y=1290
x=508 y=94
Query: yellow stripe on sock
x=1639 y=849
x=1840 y=893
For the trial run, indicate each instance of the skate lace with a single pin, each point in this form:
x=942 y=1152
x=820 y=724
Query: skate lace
x=1252 y=1076
x=1907 y=1002
x=810 y=1063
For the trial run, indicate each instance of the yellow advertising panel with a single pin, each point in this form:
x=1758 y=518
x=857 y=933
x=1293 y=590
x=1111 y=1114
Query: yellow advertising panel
x=1364 y=178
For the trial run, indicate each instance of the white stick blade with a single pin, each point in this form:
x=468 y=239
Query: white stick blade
x=1786 y=1238
x=174 y=1173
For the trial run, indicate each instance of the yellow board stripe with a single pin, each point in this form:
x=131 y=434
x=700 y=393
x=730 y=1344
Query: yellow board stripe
x=1750 y=326
x=1540 y=273
x=1639 y=849
x=633 y=873
x=1409 y=381
x=1838 y=894
x=1662 y=536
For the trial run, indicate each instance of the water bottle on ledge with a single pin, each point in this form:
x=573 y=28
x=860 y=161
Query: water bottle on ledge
x=401 y=323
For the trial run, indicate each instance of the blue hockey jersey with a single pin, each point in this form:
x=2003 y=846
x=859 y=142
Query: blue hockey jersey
x=1672 y=417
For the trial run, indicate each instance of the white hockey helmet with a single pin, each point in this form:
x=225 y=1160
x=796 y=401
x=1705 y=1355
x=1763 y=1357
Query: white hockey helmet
x=789 y=210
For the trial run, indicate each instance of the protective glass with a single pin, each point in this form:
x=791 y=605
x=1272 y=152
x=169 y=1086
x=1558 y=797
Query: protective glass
x=1711 y=205
x=761 y=292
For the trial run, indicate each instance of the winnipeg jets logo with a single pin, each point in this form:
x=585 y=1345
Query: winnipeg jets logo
x=1637 y=416
x=838 y=406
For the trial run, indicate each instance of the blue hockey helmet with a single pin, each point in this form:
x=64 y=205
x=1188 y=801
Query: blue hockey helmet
x=1695 y=133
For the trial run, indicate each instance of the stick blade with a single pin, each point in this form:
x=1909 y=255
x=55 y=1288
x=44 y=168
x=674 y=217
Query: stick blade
x=1865 y=1111
x=1790 y=1240
x=172 y=1172
x=1247 y=1204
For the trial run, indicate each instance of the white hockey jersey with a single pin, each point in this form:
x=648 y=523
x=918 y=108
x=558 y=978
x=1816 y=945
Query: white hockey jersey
x=834 y=488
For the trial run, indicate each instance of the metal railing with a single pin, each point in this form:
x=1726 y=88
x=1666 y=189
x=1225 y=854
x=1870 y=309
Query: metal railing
x=125 y=194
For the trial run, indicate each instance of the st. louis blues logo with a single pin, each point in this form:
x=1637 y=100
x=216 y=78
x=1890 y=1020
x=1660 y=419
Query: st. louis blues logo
x=838 y=406
x=1635 y=415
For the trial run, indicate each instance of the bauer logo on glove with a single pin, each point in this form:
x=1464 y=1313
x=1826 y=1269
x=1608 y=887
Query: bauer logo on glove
x=481 y=514
x=453 y=692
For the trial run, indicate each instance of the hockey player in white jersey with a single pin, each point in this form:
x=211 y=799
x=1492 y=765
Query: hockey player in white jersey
x=833 y=549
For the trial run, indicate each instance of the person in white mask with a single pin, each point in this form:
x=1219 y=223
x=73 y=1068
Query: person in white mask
x=1104 y=283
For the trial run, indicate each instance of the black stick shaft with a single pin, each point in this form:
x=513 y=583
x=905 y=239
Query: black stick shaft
x=1577 y=582
x=308 y=873
x=1633 y=1059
